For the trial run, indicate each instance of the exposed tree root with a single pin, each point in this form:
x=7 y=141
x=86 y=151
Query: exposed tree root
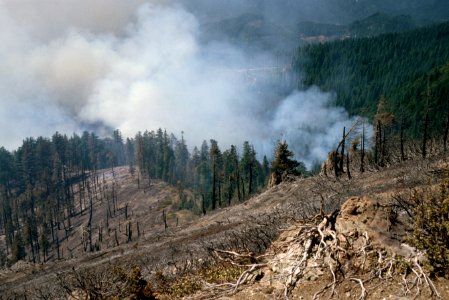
x=332 y=284
x=314 y=248
x=363 y=293
x=247 y=260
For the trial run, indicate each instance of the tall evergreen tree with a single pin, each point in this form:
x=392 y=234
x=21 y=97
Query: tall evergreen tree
x=205 y=174
x=283 y=164
x=216 y=161
x=18 y=249
x=130 y=155
x=231 y=174
x=247 y=165
x=181 y=160
x=118 y=148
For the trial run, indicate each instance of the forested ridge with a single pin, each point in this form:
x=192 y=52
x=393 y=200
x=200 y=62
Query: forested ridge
x=48 y=181
x=254 y=31
x=403 y=68
x=373 y=25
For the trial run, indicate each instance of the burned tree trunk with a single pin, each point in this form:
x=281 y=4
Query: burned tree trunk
x=250 y=183
x=58 y=247
x=243 y=188
x=213 y=186
x=89 y=225
x=343 y=141
x=115 y=237
x=164 y=218
x=129 y=232
x=203 y=204
x=335 y=160
x=426 y=127
x=362 y=151
x=402 y=139
x=378 y=143
x=446 y=131
x=383 y=152
x=219 y=193
x=347 y=165
x=238 y=185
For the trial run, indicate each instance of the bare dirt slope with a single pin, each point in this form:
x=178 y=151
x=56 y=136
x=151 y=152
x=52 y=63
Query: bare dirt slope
x=261 y=225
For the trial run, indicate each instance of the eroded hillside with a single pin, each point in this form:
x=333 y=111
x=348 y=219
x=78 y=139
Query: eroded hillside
x=270 y=224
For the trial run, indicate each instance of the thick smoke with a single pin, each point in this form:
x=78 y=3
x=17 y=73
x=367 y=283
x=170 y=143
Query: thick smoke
x=137 y=65
x=310 y=124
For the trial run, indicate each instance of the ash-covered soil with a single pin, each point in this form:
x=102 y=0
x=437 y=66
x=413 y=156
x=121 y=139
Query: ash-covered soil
x=266 y=224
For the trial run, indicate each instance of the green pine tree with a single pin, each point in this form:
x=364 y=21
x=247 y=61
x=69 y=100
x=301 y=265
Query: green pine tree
x=283 y=164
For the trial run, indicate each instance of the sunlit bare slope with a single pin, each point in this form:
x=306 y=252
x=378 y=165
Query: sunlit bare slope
x=250 y=227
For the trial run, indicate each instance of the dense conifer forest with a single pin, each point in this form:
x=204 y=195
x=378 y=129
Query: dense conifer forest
x=409 y=71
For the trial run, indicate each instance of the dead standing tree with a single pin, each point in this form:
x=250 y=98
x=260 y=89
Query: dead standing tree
x=338 y=158
x=426 y=124
x=383 y=120
x=446 y=129
x=362 y=149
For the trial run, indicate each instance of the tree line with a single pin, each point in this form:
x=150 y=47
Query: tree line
x=48 y=181
x=216 y=177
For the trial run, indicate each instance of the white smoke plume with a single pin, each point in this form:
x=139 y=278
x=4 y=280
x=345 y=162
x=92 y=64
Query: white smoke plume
x=310 y=124
x=137 y=65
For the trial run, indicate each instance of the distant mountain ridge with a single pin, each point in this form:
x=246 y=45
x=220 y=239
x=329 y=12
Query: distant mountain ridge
x=256 y=31
x=290 y=12
x=376 y=24
x=435 y=10
x=249 y=30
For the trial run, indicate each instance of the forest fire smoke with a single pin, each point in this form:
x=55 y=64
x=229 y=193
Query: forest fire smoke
x=137 y=65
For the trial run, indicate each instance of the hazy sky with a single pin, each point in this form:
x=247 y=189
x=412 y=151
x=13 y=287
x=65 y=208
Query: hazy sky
x=137 y=65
